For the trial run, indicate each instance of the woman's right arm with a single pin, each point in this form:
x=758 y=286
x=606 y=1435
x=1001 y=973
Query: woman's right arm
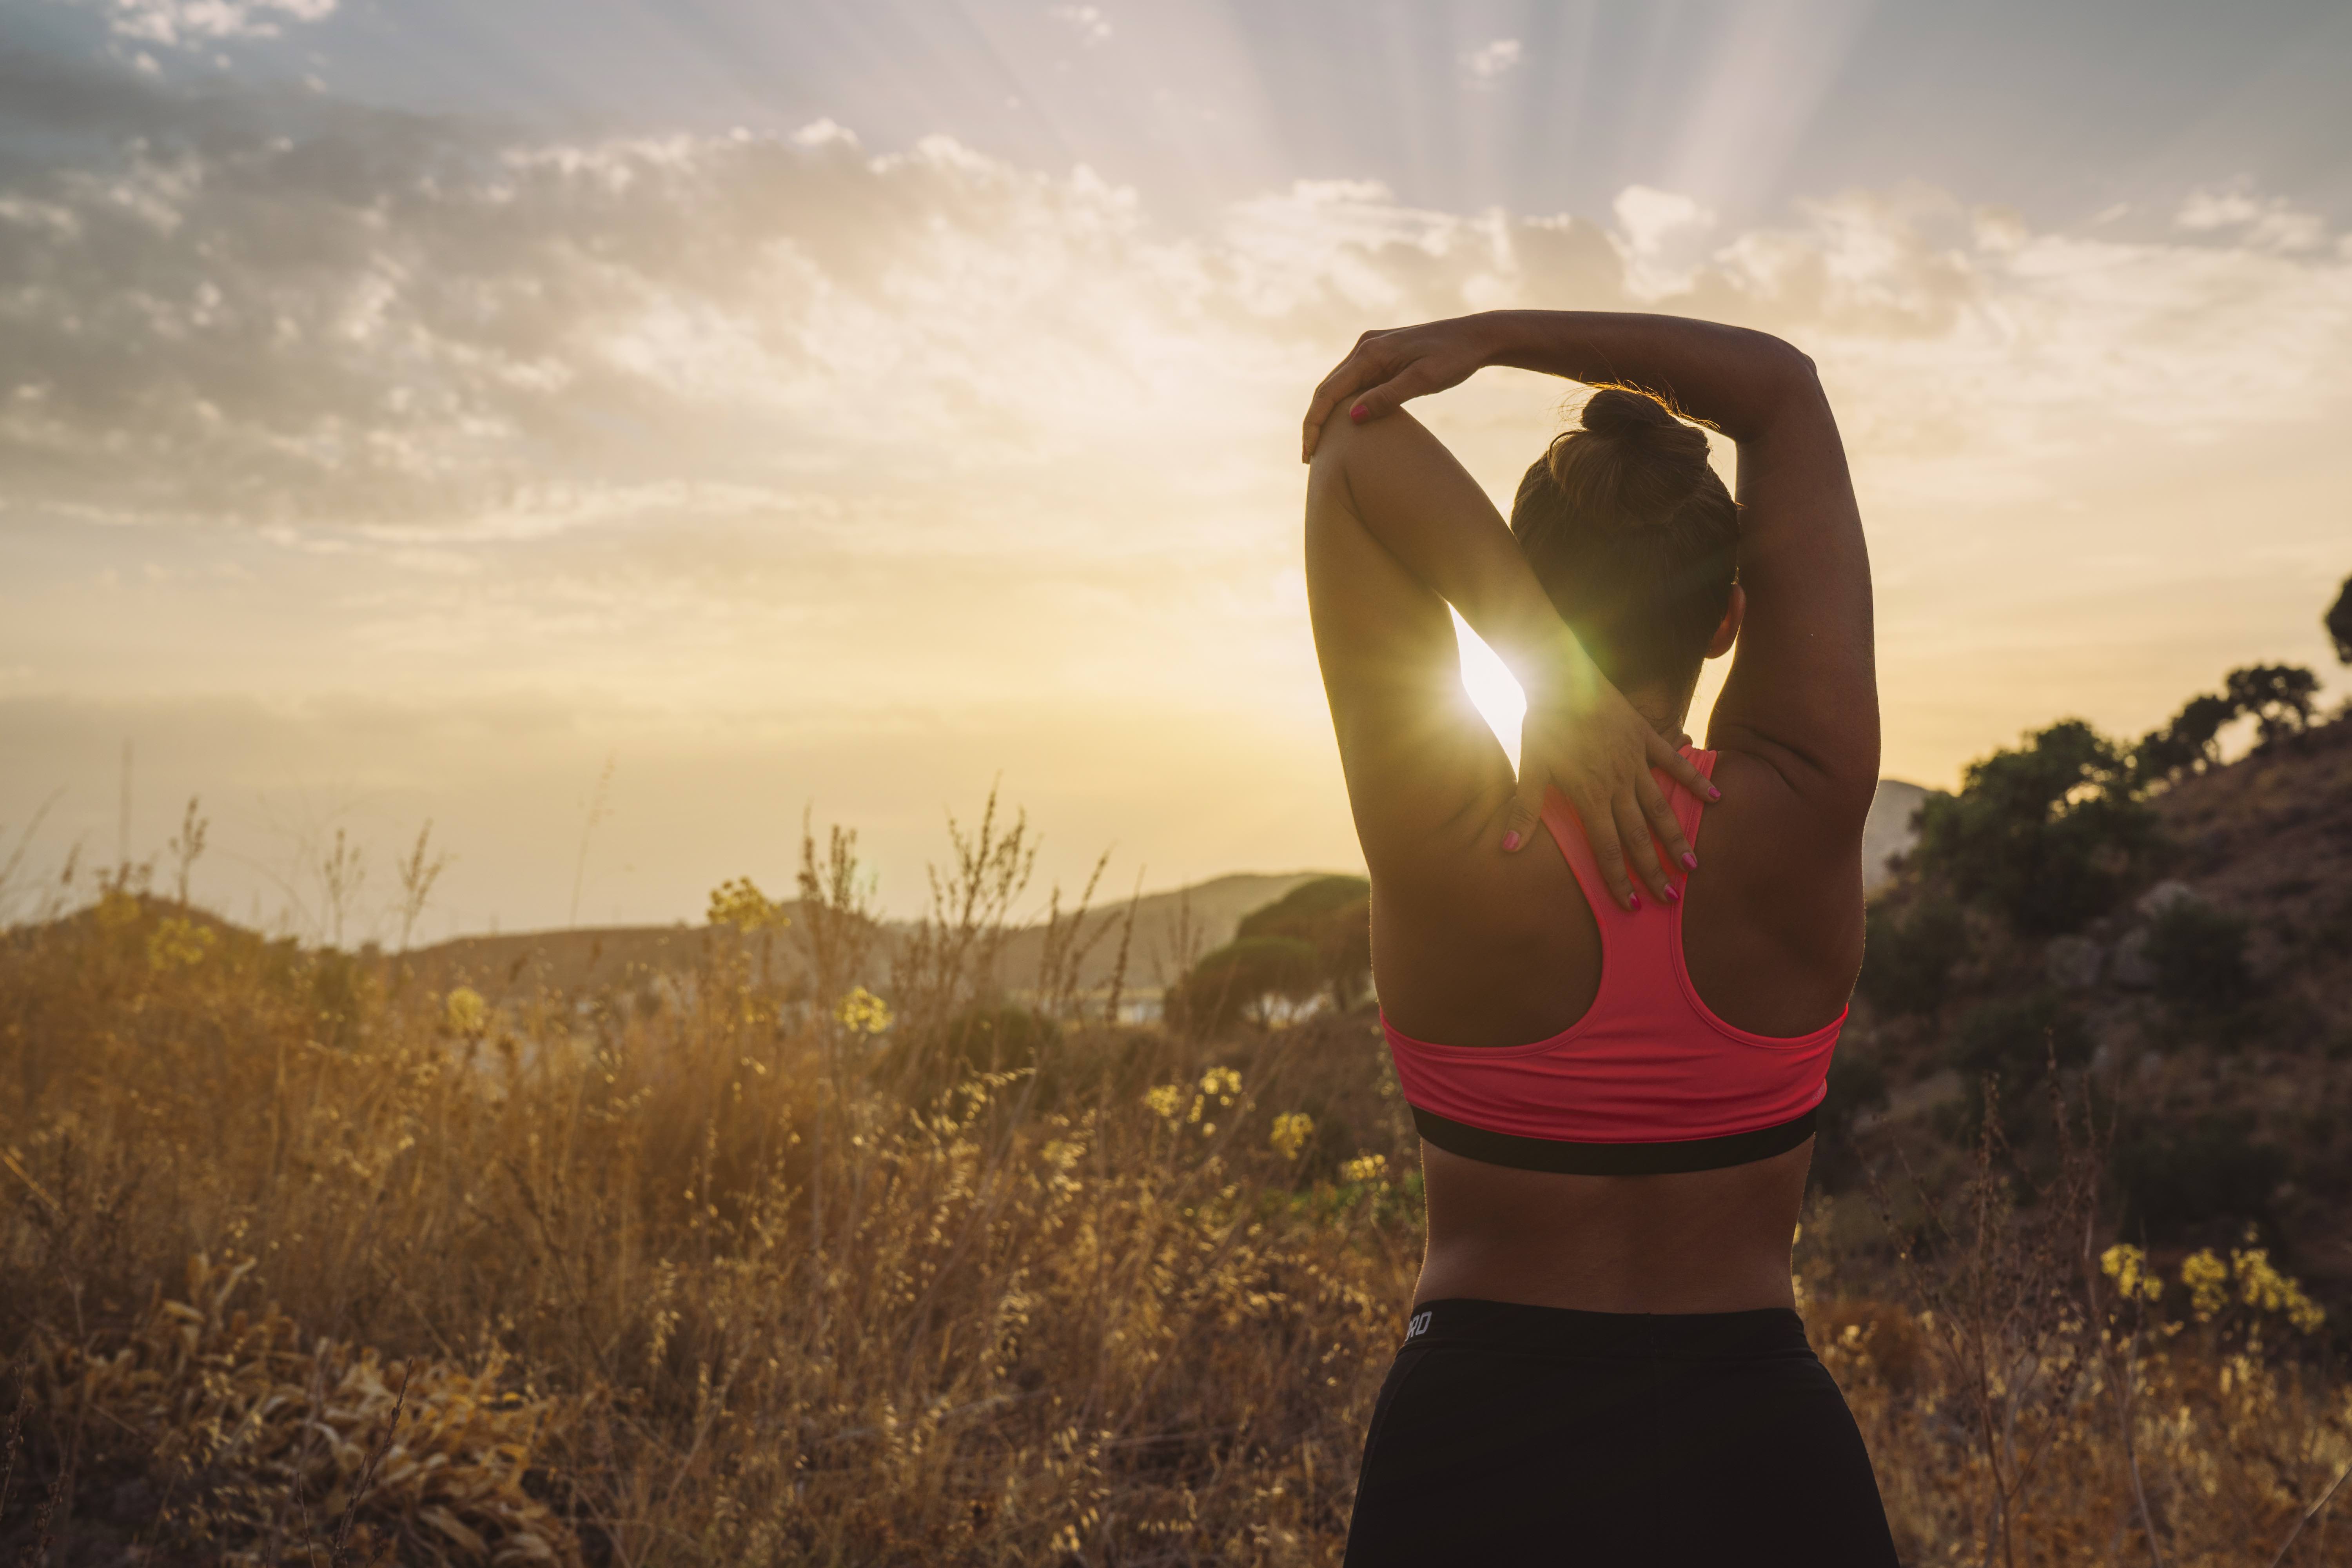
x=1802 y=692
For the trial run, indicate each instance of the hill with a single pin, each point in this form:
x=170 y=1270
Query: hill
x=1171 y=929
x=2209 y=1007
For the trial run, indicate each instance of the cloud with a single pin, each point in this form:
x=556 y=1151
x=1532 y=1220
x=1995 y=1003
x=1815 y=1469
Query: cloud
x=191 y=24
x=745 y=426
x=1087 y=21
x=313 y=316
x=1648 y=218
x=1493 y=60
x=788 y=457
x=2274 y=224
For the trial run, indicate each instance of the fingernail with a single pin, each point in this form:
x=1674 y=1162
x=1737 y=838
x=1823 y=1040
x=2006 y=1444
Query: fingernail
x=1511 y=839
x=1690 y=861
x=1674 y=894
x=1637 y=903
x=1357 y=414
x=1713 y=793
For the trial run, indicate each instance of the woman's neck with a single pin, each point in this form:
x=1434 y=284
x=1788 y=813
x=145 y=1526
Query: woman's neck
x=1665 y=710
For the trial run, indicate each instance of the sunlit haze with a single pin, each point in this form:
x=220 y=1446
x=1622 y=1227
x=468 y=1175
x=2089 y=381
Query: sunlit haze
x=417 y=410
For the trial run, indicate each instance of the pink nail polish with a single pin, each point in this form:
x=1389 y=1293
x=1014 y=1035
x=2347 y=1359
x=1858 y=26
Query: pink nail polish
x=1713 y=793
x=1690 y=861
x=1637 y=903
x=1511 y=839
x=1357 y=414
x=1674 y=894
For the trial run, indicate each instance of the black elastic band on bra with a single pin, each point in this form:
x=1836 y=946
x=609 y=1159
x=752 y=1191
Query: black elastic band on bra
x=1611 y=1159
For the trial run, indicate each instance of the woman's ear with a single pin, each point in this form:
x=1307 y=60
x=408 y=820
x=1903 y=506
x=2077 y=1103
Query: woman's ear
x=1735 y=610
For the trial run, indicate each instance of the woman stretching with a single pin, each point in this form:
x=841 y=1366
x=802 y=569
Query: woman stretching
x=1614 y=1084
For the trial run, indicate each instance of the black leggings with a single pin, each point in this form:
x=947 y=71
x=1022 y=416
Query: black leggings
x=1509 y=1434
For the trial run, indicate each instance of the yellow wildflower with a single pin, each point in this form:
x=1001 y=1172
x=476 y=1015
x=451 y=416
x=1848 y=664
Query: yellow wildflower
x=465 y=1010
x=2128 y=1266
x=2208 y=1278
x=179 y=943
x=2264 y=1288
x=740 y=904
x=1291 y=1130
x=863 y=1013
x=1364 y=1168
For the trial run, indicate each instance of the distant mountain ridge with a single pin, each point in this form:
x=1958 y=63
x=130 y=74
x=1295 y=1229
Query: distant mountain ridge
x=1171 y=929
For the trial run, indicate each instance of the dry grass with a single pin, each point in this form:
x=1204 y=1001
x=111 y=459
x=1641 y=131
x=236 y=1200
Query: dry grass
x=307 y=1265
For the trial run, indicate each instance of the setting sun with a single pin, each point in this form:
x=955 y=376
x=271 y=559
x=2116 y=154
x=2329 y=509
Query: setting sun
x=1493 y=690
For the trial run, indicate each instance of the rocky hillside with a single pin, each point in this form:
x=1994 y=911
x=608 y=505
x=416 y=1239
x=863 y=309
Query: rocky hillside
x=2209 y=1005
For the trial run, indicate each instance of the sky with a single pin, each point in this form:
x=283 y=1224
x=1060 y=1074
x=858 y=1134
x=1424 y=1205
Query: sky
x=609 y=431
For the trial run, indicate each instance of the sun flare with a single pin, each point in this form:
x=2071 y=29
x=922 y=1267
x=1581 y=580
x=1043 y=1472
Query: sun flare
x=1493 y=690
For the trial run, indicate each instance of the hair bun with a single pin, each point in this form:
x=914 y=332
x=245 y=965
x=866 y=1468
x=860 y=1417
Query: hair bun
x=1622 y=413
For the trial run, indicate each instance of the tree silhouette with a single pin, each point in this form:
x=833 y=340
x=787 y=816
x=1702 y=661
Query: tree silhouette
x=2339 y=623
x=2280 y=695
x=2048 y=835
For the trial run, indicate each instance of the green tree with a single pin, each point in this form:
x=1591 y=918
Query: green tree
x=1240 y=978
x=2199 y=953
x=1908 y=954
x=2012 y=1041
x=2209 y=1176
x=1333 y=915
x=2048 y=834
x=2279 y=696
x=1857 y=1086
x=2187 y=744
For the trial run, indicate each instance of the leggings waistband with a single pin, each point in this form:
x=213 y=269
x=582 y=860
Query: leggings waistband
x=1512 y=1327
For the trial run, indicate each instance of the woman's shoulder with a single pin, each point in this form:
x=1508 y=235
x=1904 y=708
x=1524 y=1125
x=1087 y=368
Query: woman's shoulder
x=1773 y=919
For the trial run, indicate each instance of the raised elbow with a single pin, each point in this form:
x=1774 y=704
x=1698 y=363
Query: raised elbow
x=1788 y=360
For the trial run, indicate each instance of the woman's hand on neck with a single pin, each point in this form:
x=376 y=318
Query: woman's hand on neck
x=1666 y=709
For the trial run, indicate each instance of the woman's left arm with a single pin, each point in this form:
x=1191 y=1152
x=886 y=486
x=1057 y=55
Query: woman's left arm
x=1396 y=529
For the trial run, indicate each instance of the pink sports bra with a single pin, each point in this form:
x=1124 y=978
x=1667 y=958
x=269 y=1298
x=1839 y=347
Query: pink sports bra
x=1649 y=1080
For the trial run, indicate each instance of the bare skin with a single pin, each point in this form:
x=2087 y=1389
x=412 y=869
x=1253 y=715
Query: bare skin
x=1476 y=947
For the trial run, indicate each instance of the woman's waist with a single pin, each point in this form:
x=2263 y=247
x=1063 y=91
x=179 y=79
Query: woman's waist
x=1689 y=1241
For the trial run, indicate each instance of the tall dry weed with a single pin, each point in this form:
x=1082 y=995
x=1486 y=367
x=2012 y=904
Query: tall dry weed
x=737 y=1270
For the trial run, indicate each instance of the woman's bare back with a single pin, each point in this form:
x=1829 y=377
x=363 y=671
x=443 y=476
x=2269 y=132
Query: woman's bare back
x=1772 y=942
x=1476 y=949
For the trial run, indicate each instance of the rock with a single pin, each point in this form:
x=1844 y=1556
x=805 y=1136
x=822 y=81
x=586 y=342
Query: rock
x=1889 y=831
x=2130 y=967
x=2073 y=963
x=2165 y=895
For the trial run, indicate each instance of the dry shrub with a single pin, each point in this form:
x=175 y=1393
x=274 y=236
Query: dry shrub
x=2043 y=1397
x=758 y=1307
x=704 y=1282
x=267 y=1439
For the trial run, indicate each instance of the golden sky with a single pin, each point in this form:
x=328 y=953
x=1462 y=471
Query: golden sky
x=361 y=465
